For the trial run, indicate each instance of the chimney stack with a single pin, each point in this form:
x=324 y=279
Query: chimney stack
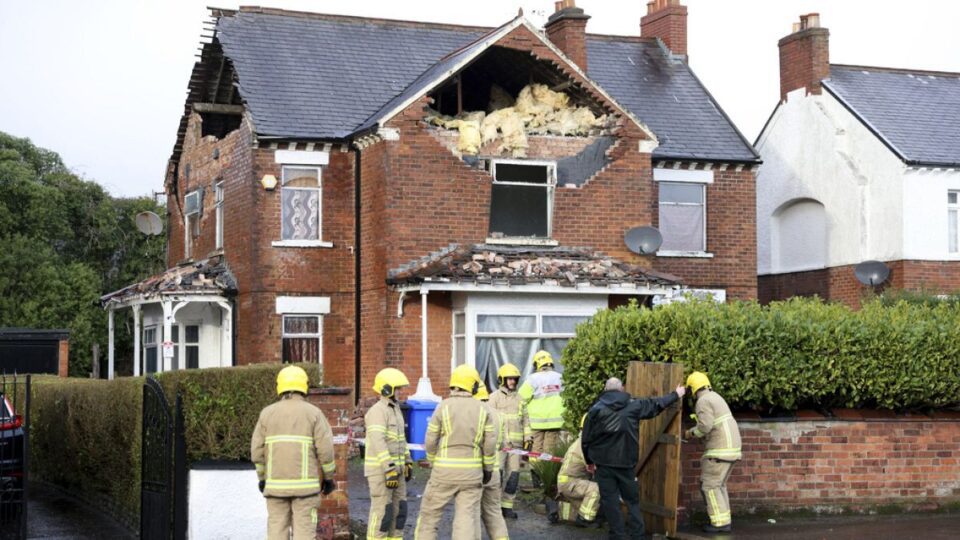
x=667 y=20
x=567 y=29
x=804 y=57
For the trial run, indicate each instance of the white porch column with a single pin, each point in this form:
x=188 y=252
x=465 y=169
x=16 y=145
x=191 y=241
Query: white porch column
x=424 y=388
x=226 y=339
x=137 y=357
x=110 y=343
x=165 y=362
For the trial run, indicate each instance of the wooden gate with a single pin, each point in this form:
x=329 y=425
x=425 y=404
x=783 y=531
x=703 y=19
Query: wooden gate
x=658 y=470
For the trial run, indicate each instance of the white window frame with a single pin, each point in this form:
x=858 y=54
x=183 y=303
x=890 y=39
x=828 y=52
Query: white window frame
x=454 y=336
x=188 y=223
x=218 y=191
x=307 y=242
x=183 y=344
x=702 y=252
x=155 y=344
x=550 y=188
x=953 y=209
x=318 y=335
x=472 y=334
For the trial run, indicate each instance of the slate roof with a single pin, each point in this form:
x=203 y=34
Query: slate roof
x=525 y=265
x=324 y=77
x=915 y=113
x=207 y=276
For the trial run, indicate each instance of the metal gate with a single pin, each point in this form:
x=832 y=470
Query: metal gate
x=163 y=510
x=14 y=455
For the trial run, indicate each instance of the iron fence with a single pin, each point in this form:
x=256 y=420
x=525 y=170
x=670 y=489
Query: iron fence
x=14 y=455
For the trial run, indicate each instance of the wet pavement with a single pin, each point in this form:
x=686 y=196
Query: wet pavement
x=52 y=515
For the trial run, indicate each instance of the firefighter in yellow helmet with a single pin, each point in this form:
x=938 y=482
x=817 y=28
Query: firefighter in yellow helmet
x=387 y=464
x=575 y=483
x=540 y=394
x=292 y=449
x=461 y=445
x=490 y=513
x=719 y=429
x=506 y=402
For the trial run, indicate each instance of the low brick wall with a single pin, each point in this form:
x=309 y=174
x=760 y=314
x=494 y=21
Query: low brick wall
x=851 y=462
x=333 y=516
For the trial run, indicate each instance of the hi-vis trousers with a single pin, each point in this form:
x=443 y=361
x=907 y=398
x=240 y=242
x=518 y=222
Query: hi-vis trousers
x=297 y=512
x=466 y=512
x=713 y=485
x=388 y=509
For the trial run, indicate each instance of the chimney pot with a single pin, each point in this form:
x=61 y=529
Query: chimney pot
x=667 y=20
x=567 y=29
x=804 y=56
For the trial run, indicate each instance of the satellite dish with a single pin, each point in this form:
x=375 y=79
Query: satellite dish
x=871 y=273
x=149 y=223
x=643 y=240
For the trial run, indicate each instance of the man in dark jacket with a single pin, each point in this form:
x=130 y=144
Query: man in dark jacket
x=611 y=443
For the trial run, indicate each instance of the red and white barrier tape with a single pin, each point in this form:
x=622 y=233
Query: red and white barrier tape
x=534 y=456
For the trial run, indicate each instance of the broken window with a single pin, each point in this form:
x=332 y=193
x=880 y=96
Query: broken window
x=521 y=201
x=218 y=196
x=302 y=338
x=192 y=204
x=953 y=207
x=300 y=201
x=683 y=217
x=218 y=125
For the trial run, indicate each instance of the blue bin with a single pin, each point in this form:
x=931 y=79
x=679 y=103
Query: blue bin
x=420 y=413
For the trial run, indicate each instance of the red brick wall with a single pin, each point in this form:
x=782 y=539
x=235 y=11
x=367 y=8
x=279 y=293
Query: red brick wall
x=63 y=357
x=667 y=20
x=334 y=512
x=804 y=60
x=912 y=461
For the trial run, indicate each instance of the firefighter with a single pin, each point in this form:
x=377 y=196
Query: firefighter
x=506 y=402
x=387 y=464
x=575 y=482
x=461 y=447
x=490 y=512
x=717 y=426
x=291 y=445
x=540 y=394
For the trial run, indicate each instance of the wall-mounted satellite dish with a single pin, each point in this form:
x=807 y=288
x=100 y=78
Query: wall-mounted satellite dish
x=643 y=240
x=871 y=273
x=149 y=223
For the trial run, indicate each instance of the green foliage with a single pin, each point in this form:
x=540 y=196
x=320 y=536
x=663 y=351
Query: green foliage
x=925 y=297
x=801 y=353
x=85 y=433
x=64 y=242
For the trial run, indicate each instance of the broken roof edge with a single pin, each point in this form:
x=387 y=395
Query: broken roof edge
x=900 y=71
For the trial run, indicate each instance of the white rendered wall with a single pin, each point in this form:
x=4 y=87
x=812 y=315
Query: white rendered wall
x=813 y=148
x=798 y=236
x=925 y=213
x=226 y=505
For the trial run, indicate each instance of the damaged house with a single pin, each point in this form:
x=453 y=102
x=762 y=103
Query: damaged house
x=362 y=192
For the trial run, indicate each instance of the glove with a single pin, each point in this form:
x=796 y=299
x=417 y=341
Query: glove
x=261 y=485
x=528 y=445
x=688 y=434
x=487 y=476
x=393 y=478
x=407 y=471
x=328 y=486
x=694 y=417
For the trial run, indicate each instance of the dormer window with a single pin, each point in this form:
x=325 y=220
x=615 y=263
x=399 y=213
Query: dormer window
x=521 y=202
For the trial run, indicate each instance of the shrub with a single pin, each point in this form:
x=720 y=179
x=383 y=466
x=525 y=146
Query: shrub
x=785 y=356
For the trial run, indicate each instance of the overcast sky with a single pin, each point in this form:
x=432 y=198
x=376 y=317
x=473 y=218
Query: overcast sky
x=102 y=82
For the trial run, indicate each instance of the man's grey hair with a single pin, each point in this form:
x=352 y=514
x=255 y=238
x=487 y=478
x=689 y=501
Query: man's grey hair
x=613 y=383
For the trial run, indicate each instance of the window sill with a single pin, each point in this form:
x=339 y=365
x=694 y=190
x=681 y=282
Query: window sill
x=302 y=243
x=688 y=254
x=522 y=241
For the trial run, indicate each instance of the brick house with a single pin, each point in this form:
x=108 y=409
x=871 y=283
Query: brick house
x=329 y=174
x=860 y=163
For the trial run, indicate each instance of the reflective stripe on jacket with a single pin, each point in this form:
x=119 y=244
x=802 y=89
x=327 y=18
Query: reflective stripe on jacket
x=292 y=442
x=541 y=396
x=386 y=442
x=574 y=466
x=717 y=425
x=461 y=439
x=507 y=405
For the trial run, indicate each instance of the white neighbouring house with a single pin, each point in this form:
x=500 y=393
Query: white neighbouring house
x=859 y=163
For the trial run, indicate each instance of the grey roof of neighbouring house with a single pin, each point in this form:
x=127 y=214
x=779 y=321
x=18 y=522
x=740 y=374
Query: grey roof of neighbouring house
x=323 y=77
x=915 y=113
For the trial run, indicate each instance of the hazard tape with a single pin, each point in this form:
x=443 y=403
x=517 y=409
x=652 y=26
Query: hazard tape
x=533 y=456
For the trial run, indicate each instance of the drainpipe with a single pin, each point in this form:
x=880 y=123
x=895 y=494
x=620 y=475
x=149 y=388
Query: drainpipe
x=356 y=274
x=424 y=388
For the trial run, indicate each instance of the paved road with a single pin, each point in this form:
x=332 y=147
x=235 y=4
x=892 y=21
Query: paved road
x=52 y=515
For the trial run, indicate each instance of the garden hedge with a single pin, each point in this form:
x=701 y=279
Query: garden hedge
x=85 y=433
x=802 y=353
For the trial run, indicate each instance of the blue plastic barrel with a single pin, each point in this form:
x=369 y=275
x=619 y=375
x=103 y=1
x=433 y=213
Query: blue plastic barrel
x=420 y=413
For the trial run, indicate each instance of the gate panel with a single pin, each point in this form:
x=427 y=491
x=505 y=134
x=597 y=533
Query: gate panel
x=156 y=471
x=14 y=455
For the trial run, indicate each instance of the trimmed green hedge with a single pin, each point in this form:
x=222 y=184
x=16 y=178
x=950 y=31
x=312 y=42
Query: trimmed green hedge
x=802 y=353
x=85 y=434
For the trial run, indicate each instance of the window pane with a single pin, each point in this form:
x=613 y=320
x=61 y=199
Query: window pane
x=193 y=357
x=149 y=335
x=218 y=193
x=682 y=228
x=301 y=325
x=460 y=351
x=952 y=230
x=532 y=174
x=151 y=356
x=459 y=323
x=301 y=350
x=952 y=197
x=300 y=214
x=681 y=193
x=561 y=324
x=519 y=210
x=300 y=177
x=507 y=324
x=193 y=334
x=495 y=352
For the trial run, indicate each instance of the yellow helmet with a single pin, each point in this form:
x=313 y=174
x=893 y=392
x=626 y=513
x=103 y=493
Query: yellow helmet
x=292 y=379
x=482 y=393
x=541 y=360
x=696 y=381
x=465 y=378
x=388 y=380
x=507 y=371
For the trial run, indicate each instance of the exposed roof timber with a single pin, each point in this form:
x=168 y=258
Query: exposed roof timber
x=218 y=108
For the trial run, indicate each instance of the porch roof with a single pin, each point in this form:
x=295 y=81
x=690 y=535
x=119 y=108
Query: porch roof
x=558 y=266
x=205 y=277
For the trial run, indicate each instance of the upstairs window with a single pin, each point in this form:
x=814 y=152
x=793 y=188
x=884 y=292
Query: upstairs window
x=521 y=202
x=192 y=205
x=953 y=207
x=300 y=203
x=683 y=216
x=218 y=192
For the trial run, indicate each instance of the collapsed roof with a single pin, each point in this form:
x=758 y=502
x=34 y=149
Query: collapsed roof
x=208 y=276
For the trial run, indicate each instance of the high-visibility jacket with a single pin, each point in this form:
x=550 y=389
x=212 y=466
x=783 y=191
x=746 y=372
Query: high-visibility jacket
x=541 y=397
x=715 y=422
x=508 y=406
x=292 y=442
x=461 y=440
x=500 y=425
x=386 y=442
x=574 y=467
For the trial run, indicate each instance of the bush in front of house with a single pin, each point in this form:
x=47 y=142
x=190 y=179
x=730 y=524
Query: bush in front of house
x=801 y=353
x=85 y=433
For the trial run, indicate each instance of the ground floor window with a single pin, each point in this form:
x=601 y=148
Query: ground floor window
x=302 y=338
x=150 y=349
